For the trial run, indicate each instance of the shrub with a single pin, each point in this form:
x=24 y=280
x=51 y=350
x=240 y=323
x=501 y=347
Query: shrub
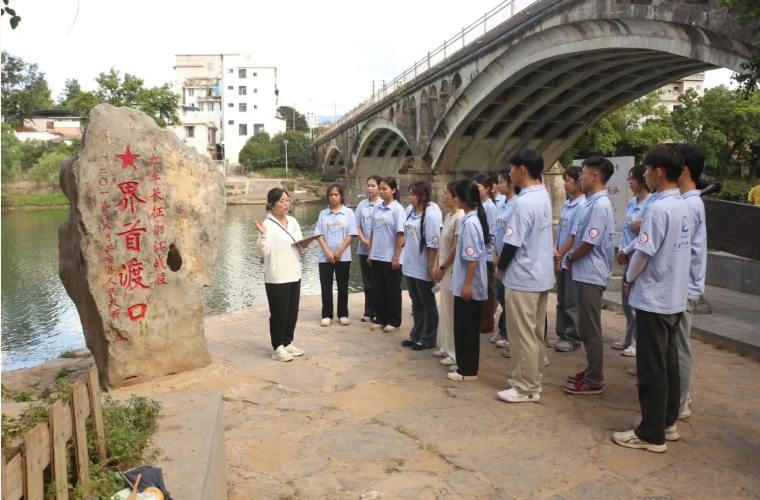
x=734 y=191
x=46 y=171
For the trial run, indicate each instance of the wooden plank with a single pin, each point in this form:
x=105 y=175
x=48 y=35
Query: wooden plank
x=79 y=405
x=96 y=411
x=36 y=446
x=58 y=459
x=14 y=475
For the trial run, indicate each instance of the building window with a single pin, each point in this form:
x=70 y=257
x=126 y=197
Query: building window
x=241 y=73
x=50 y=125
x=255 y=106
x=231 y=122
x=189 y=132
x=242 y=90
x=255 y=75
x=191 y=92
x=230 y=70
x=231 y=105
x=243 y=128
x=230 y=87
x=242 y=107
x=210 y=66
x=255 y=91
x=258 y=127
x=699 y=87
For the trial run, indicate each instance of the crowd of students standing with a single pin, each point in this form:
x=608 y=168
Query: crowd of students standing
x=495 y=246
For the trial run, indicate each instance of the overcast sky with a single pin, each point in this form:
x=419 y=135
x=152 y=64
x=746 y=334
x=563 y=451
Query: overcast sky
x=327 y=51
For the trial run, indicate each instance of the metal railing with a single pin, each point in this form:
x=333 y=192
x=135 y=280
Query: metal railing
x=469 y=35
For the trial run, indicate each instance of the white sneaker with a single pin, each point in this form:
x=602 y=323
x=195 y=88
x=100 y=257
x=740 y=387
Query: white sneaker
x=366 y=319
x=501 y=343
x=453 y=368
x=630 y=440
x=282 y=354
x=619 y=345
x=546 y=360
x=511 y=383
x=506 y=353
x=325 y=322
x=376 y=326
x=512 y=396
x=439 y=353
x=447 y=361
x=390 y=329
x=345 y=321
x=294 y=351
x=685 y=413
x=629 y=352
x=671 y=433
x=494 y=338
x=456 y=376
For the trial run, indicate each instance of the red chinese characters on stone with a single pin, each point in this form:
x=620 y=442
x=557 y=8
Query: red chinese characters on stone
x=154 y=177
x=158 y=246
x=137 y=312
x=154 y=161
x=115 y=315
x=158 y=229
x=130 y=276
x=156 y=195
x=132 y=236
x=161 y=280
x=128 y=196
x=157 y=212
x=159 y=262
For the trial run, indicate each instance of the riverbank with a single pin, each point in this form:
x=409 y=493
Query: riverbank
x=34 y=201
x=359 y=412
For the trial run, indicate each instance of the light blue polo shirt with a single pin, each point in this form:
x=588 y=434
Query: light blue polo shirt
x=505 y=210
x=662 y=286
x=387 y=222
x=470 y=247
x=416 y=262
x=364 y=221
x=530 y=229
x=491 y=211
x=698 y=228
x=596 y=226
x=500 y=200
x=336 y=227
x=571 y=211
x=633 y=212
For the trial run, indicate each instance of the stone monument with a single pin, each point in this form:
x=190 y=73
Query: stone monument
x=142 y=236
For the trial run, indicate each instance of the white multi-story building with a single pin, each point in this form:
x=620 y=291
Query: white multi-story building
x=672 y=91
x=224 y=100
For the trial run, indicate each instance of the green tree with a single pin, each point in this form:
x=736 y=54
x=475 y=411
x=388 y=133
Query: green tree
x=287 y=113
x=300 y=149
x=11 y=153
x=161 y=103
x=70 y=91
x=24 y=89
x=31 y=151
x=46 y=171
x=747 y=14
x=83 y=103
x=259 y=152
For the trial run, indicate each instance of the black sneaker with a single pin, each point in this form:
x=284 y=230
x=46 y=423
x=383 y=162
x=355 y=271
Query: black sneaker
x=408 y=343
x=421 y=347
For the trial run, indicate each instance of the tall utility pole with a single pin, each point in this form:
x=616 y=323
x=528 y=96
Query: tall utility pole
x=335 y=117
x=285 y=141
x=294 y=119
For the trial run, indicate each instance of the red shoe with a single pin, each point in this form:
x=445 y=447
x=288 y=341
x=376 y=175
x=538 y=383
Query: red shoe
x=578 y=377
x=581 y=389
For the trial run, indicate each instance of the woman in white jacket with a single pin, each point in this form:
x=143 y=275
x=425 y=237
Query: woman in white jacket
x=282 y=272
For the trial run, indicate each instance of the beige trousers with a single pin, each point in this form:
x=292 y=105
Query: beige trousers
x=526 y=314
x=446 y=316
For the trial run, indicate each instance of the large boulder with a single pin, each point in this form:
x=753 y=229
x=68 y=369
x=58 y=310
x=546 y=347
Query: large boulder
x=141 y=239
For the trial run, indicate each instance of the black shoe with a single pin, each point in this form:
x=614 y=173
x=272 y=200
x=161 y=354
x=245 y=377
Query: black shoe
x=408 y=343
x=421 y=347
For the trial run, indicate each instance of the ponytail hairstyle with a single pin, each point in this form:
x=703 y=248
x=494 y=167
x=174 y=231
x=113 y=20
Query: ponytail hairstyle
x=337 y=186
x=423 y=192
x=468 y=192
x=487 y=181
x=391 y=182
x=573 y=172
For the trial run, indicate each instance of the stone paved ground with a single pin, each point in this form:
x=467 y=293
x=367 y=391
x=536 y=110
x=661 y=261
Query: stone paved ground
x=359 y=412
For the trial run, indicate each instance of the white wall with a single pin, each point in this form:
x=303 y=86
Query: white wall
x=199 y=141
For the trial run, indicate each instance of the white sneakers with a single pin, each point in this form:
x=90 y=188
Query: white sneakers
x=366 y=319
x=390 y=329
x=282 y=354
x=501 y=343
x=456 y=376
x=447 y=361
x=685 y=412
x=325 y=322
x=376 y=326
x=439 y=353
x=345 y=321
x=629 y=352
x=294 y=351
x=453 y=368
x=494 y=337
x=512 y=396
x=342 y=321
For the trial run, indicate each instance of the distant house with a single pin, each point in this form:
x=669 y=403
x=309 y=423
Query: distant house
x=47 y=122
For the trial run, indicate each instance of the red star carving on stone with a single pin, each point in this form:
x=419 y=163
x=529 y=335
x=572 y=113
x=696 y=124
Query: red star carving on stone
x=128 y=159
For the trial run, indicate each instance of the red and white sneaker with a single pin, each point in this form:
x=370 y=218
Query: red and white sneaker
x=581 y=389
x=578 y=377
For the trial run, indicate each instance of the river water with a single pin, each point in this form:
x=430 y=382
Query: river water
x=39 y=320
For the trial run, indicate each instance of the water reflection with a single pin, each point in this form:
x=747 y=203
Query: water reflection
x=39 y=321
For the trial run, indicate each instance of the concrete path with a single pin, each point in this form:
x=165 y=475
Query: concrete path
x=358 y=412
x=734 y=323
x=255 y=191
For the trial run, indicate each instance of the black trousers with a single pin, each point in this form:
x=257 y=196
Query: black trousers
x=369 y=296
x=467 y=334
x=658 y=375
x=386 y=283
x=424 y=311
x=501 y=295
x=341 y=271
x=283 y=311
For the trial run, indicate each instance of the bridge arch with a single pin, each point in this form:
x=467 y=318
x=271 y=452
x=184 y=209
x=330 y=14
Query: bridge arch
x=380 y=148
x=548 y=88
x=444 y=97
x=334 y=162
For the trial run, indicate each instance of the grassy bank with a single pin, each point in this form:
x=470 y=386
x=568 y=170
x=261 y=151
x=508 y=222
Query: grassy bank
x=279 y=173
x=19 y=200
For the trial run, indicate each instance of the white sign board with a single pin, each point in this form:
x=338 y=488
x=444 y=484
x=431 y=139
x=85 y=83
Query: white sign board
x=618 y=189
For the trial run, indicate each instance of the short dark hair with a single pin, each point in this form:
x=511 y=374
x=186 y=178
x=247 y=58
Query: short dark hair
x=494 y=175
x=274 y=195
x=574 y=172
x=602 y=165
x=692 y=158
x=337 y=186
x=667 y=158
x=531 y=159
x=505 y=173
x=637 y=172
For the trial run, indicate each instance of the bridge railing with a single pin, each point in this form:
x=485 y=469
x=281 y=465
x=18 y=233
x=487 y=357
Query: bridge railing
x=468 y=36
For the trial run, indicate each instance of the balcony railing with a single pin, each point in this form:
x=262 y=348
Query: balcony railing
x=469 y=35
